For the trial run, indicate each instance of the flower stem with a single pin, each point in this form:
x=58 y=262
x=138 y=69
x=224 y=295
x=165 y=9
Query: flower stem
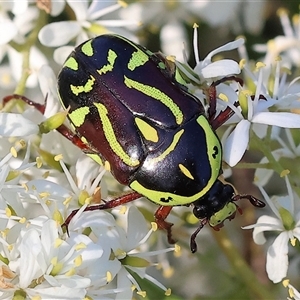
x=241 y=267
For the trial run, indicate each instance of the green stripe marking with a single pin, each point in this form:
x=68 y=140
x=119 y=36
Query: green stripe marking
x=71 y=63
x=78 y=115
x=111 y=57
x=171 y=148
x=137 y=59
x=111 y=137
x=158 y=95
x=76 y=90
x=87 y=48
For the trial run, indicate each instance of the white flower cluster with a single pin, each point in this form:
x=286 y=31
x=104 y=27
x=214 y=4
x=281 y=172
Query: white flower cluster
x=44 y=177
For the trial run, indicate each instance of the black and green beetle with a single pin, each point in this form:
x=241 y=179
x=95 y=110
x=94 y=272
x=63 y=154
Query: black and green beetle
x=131 y=112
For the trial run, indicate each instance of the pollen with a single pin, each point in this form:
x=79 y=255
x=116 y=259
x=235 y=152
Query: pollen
x=177 y=251
x=80 y=246
x=242 y=63
x=259 y=65
x=58 y=157
x=223 y=97
x=168 y=272
x=39 y=162
x=109 y=276
x=22 y=220
x=13 y=151
x=123 y=210
x=8 y=212
x=168 y=292
x=142 y=293
x=78 y=261
x=154 y=226
x=71 y=272
x=284 y=173
x=58 y=242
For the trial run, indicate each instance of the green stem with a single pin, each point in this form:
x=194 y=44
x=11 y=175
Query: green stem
x=241 y=267
x=253 y=166
x=264 y=147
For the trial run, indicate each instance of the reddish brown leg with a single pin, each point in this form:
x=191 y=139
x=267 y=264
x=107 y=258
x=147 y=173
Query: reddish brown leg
x=217 y=121
x=40 y=107
x=110 y=204
x=160 y=217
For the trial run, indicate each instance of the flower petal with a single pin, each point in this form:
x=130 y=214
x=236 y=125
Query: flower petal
x=219 y=68
x=237 y=142
x=58 y=33
x=281 y=119
x=16 y=125
x=80 y=9
x=277 y=258
x=227 y=47
x=265 y=223
x=8 y=30
x=136 y=228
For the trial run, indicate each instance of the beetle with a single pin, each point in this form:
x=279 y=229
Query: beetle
x=131 y=111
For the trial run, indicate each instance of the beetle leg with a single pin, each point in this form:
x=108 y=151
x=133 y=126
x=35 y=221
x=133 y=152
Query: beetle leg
x=193 y=244
x=160 y=218
x=212 y=94
x=109 y=204
x=40 y=107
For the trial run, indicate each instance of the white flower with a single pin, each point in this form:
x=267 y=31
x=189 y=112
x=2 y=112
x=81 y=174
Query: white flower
x=287 y=45
x=235 y=15
x=207 y=69
x=254 y=111
x=16 y=125
x=16 y=30
x=87 y=24
x=287 y=223
x=45 y=265
x=126 y=249
x=171 y=17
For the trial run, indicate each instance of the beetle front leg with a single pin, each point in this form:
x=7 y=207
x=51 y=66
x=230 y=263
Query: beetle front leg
x=193 y=244
x=160 y=218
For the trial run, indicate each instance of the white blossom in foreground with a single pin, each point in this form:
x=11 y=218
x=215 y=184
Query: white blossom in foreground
x=287 y=224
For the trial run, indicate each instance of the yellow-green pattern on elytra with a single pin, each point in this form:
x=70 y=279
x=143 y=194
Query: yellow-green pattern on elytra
x=137 y=59
x=148 y=131
x=214 y=148
x=111 y=58
x=158 y=95
x=83 y=88
x=78 y=115
x=71 y=63
x=169 y=149
x=185 y=171
x=111 y=137
x=87 y=48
